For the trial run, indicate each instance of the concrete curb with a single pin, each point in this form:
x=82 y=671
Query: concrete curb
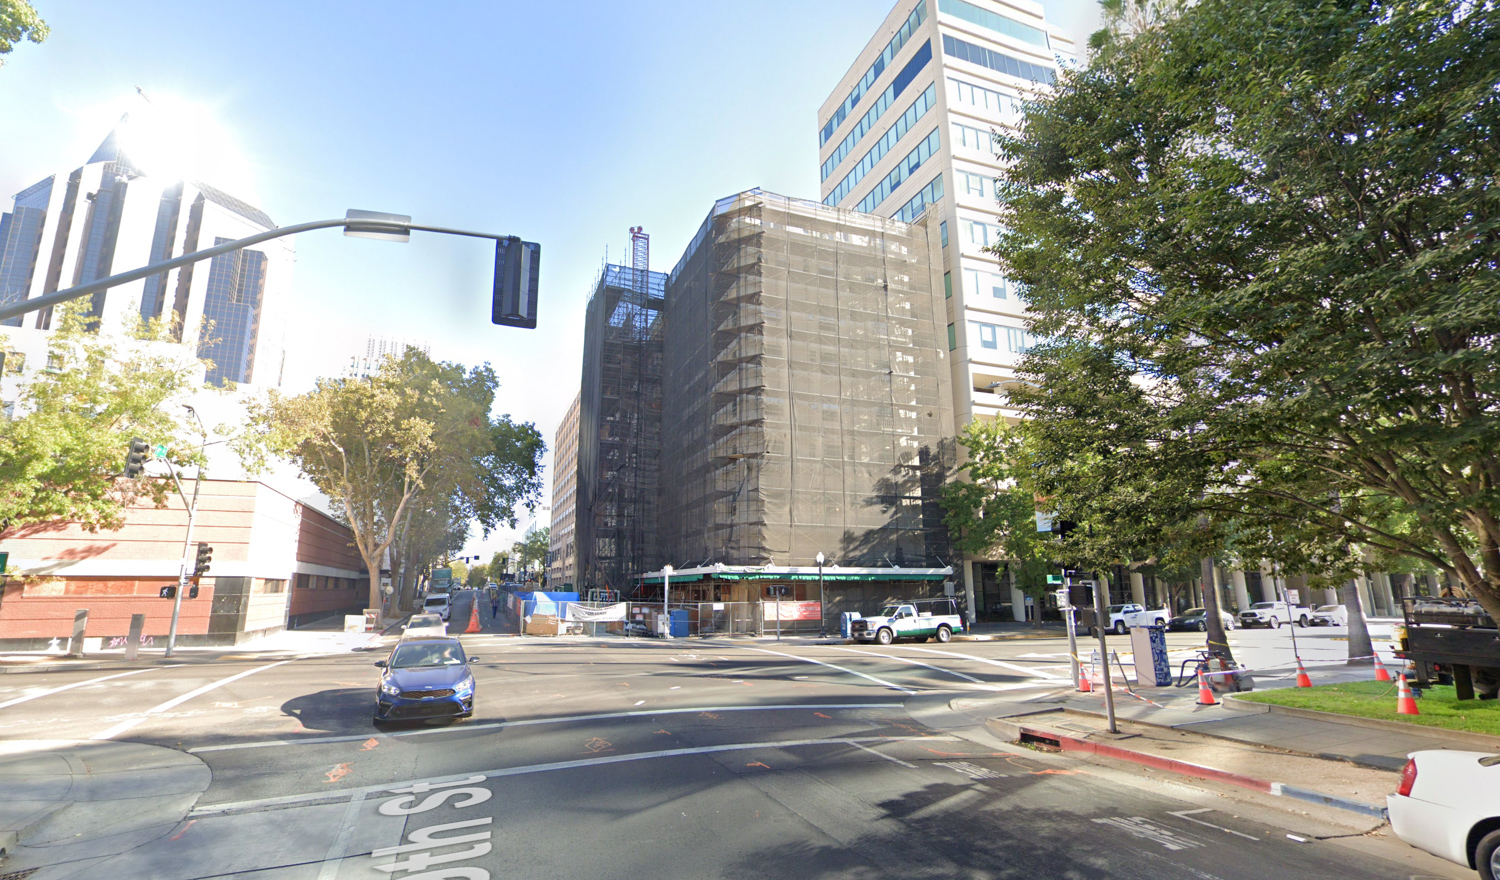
x=1235 y=704
x=1013 y=730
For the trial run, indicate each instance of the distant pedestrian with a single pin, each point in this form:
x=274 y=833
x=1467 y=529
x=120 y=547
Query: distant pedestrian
x=495 y=605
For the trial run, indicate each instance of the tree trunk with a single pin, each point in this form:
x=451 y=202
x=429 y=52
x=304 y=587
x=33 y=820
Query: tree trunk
x=1360 y=649
x=1217 y=641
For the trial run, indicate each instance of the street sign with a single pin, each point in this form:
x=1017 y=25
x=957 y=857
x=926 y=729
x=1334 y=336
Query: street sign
x=1054 y=579
x=4 y=561
x=161 y=450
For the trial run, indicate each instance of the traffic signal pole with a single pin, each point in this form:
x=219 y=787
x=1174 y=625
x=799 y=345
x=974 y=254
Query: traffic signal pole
x=187 y=551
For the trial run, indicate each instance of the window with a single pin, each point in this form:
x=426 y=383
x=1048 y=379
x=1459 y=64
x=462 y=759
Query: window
x=913 y=161
x=1018 y=340
x=996 y=61
x=947 y=285
x=981 y=234
x=971 y=138
x=887 y=141
x=12 y=361
x=952 y=338
x=913 y=22
x=969 y=183
x=994 y=22
x=930 y=194
x=981 y=283
x=55 y=361
x=269 y=585
x=943 y=232
x=1005 y=106
x=987 y=336
x=882 y=104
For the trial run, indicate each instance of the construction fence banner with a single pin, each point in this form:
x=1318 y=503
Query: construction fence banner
x=578 y=612
x=793 y=610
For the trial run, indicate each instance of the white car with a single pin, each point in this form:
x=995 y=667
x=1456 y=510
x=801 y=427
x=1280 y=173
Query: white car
x=1330 y=615
x=1448 y=803
x=425 y=626
x=437 y=603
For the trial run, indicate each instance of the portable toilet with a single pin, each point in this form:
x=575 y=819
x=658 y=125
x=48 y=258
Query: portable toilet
x=679 y=623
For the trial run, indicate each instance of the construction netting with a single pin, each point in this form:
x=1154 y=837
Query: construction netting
x=806 y=390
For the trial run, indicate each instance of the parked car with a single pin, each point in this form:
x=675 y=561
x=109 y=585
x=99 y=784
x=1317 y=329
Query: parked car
x=1195 y=619
x=920 y=620
x=439 y=604
x=425 y=678
x=1273 y=615
x=1448 y=803
x=424 y=626
x=1330 y=615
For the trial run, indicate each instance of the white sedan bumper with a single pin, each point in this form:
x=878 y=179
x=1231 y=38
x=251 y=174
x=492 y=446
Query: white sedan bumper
x=1428 y=826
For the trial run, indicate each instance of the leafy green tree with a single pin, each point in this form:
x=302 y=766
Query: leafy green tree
x=1291 y=261
x=499 y=564
x=530 y=552
x=63 y=450
x=19 y=21
x=411 y=437
x=460 y=571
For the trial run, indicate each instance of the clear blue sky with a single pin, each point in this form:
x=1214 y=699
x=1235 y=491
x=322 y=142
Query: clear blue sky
x=563 y=122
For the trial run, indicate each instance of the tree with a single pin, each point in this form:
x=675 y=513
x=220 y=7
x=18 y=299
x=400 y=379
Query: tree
x=383 y=447
x=499 y=564
x=1293 y=263
x=460 y=571
x=19 y=21
x=478 y=576
x=532 y=548
x=63 y=451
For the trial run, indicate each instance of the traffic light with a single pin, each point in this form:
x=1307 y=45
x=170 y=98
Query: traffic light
x=135 y=461
x=517 y=264
x=193 y=591
x=168 y=592
x=205 y=556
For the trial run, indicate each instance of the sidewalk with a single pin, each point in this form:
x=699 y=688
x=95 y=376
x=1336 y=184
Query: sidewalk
x=287 y=643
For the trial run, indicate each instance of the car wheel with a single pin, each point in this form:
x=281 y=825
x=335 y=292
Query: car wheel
x=1302 y=621
x=884 y=637
x=1120 y=627
x=944 y=634
x=1275 y=623
x=1203 y=626
x=1487 y=856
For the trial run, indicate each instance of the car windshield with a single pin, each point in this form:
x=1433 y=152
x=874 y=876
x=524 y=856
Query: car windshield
x=436 y=601
x=1116 y=609
x=891 y=611
x=1193 y=612
x=425 y=620
x=430 y=654
x=1329 y=608
x=1264 y=605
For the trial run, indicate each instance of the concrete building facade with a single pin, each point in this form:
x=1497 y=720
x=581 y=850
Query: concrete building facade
x=562 y=556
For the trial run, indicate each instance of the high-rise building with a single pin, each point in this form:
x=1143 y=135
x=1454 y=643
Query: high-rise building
x=907 y=133
x=562 y=555
x=376 y=349
x=109 y=216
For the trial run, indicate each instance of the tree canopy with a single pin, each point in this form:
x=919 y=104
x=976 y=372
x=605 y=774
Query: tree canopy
x=19 y=21
x=1259 y=241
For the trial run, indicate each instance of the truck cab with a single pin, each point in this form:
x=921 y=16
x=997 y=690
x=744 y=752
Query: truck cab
x=919 y=620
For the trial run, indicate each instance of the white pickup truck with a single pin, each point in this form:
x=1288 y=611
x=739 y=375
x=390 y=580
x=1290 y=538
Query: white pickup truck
x=1123 y=617
x=932 y=619
x=1273 y=615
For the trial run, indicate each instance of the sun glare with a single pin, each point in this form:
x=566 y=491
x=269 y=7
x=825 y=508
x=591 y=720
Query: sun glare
x=170 y=138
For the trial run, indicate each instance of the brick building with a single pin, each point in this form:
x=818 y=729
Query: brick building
x=276 y=562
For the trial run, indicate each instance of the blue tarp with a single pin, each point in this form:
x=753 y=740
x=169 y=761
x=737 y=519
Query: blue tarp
x=539 y=602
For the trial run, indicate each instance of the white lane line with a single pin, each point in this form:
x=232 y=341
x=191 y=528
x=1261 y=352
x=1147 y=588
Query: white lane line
x=335 y=858
x=881 y=755
x=559 y=765
x=177 y=701
x=879 y=681
x=496 y=725
x=914 y=663
x=1188 y=815
x=79 y=684
x=1029 y=670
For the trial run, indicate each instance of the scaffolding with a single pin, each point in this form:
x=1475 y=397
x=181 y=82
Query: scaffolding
x=808 y=405
x=620 y=424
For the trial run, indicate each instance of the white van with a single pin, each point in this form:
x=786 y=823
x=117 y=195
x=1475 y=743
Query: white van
x=438 y=604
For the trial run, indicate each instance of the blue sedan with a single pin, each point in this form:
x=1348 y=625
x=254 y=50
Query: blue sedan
x=425 y=678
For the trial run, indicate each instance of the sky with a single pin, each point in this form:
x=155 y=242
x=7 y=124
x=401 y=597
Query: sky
x=565 y=123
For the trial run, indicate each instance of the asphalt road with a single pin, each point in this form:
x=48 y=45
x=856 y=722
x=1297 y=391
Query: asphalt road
x=635 y=758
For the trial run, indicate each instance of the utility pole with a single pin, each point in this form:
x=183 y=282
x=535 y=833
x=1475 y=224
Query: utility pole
x=183 y=577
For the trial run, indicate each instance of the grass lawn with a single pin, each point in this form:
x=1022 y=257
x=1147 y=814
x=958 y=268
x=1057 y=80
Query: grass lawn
x=1377 y=699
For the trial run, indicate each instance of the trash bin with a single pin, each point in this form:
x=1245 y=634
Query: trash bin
x=846 y=623
x=680 y=624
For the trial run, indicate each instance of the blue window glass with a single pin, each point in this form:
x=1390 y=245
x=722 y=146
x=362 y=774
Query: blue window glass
x=928 y=195
x=997 y=61
x=236 y=288
x=993 y=21
x=892 y=136
x=913 y=161
x=882 y=104
x=20 y=243
x=903 y=34
x=943 y=232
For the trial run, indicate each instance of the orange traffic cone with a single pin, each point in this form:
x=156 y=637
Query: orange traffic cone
x=1405 y=705
x=1302 y=680
x=473 y=620
x=1085 y=679
x=1380 y=673
x=1205 y=693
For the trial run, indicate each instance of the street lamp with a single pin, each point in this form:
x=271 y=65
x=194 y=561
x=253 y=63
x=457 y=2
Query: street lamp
x=822 y=606
x=666 y=592
x=516 y=264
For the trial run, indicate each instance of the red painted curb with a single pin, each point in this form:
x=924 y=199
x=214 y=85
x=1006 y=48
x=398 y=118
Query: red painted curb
x=1171 y=765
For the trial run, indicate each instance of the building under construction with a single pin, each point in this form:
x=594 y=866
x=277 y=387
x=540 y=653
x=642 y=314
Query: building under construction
x=619 y=423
